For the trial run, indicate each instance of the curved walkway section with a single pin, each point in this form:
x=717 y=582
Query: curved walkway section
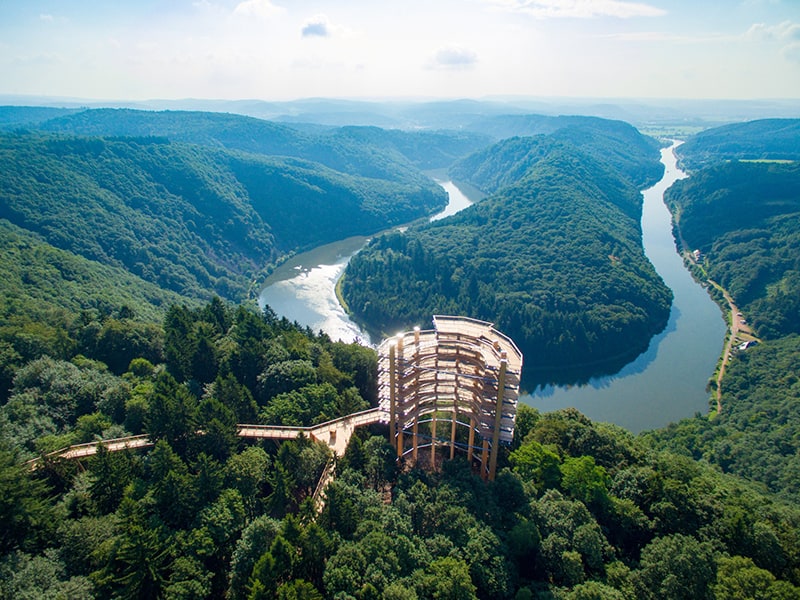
x=335 y=434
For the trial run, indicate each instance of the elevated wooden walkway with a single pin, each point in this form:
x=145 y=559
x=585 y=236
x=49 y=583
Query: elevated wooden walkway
x=335 y=434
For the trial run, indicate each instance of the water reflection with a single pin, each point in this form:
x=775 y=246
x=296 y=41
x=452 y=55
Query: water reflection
x=668 y=381
x=664 y=383
x=303 y=289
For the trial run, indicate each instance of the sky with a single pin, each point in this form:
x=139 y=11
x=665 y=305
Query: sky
x=423 y=49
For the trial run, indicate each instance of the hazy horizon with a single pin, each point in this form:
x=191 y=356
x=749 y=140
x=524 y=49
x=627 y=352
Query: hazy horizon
x=276 y=50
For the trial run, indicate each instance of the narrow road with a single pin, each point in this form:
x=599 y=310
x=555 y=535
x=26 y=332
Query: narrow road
x=739 y=332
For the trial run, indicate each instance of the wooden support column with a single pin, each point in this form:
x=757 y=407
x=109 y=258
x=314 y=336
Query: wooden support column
x=392 y=393
x=415 y=440
x=484 y=457
x=401 y=399
x=471 y=441
x=400 y=442
x=498 y=415
x=454 y=413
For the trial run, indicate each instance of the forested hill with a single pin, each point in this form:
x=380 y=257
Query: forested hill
x=745 y=218
x=366 y=151
x=553 y=258
x=192 y=219
x=765 y=139
x=579 y=510
x=618 y=142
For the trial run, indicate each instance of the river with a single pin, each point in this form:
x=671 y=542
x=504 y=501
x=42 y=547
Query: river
x=664 y=384
x=303 y=289
x=668 y=381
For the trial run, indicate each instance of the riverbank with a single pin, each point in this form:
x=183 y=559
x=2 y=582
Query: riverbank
x=665 y=383
x=738 y=331
x=669 y=381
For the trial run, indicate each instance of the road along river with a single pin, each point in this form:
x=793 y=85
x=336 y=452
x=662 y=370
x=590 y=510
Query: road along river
x=665 y=383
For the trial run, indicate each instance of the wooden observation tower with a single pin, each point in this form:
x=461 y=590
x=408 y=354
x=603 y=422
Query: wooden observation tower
x=463 y=374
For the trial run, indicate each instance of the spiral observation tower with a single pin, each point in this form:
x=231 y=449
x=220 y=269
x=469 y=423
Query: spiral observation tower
x=455 y=386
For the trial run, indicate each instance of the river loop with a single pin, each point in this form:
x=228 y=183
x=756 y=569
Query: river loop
x=664 y=384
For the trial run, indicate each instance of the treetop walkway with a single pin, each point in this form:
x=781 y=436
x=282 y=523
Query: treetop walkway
x=335 y=434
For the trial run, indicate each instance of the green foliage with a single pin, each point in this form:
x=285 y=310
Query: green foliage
x=366 y=151
x=537 y=464
x=677 y=567
x=259 y=534
x=26 y=576
x=50 y=396
x=763 y=139
x=584 y=511
x=585 y=481
x=191 y=219
x=553 y=258
x=24 y=510
x=739 y=579
x=745 y=218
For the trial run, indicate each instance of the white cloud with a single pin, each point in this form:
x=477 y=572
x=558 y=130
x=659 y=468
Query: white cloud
x=454 y=57
x=786 y=33
x=262 y=9
x=316 y=26
x=671 y=38
x=46 y=17
x=581 y=9
x=783 y=31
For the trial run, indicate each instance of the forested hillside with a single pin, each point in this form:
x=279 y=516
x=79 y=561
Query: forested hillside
x=89 y=350
x=614 y=142
x=765 y=139
x=578 y=510
x=553 y=257
x=191 y=219
x=745 y=219
x=366 y=151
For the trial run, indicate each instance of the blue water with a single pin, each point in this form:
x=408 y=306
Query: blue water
x=668 y=381
x=664 y=384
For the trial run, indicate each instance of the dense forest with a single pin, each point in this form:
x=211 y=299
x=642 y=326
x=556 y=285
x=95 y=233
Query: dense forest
x=90 y=349
x=579 y=510
x=763 y=139
x=366 y=151
x=192 y=219
x=745 y=219
x=553 y=257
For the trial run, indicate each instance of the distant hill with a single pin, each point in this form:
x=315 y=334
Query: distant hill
x=765 y=139
x=192 y=219
x=553 y=257
x=26 y=116
x=369 y=152
x=613 y=143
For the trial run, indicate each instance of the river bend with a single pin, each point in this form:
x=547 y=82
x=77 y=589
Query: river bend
x=664 y=384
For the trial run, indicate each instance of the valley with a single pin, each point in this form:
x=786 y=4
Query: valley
x=135 y=247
